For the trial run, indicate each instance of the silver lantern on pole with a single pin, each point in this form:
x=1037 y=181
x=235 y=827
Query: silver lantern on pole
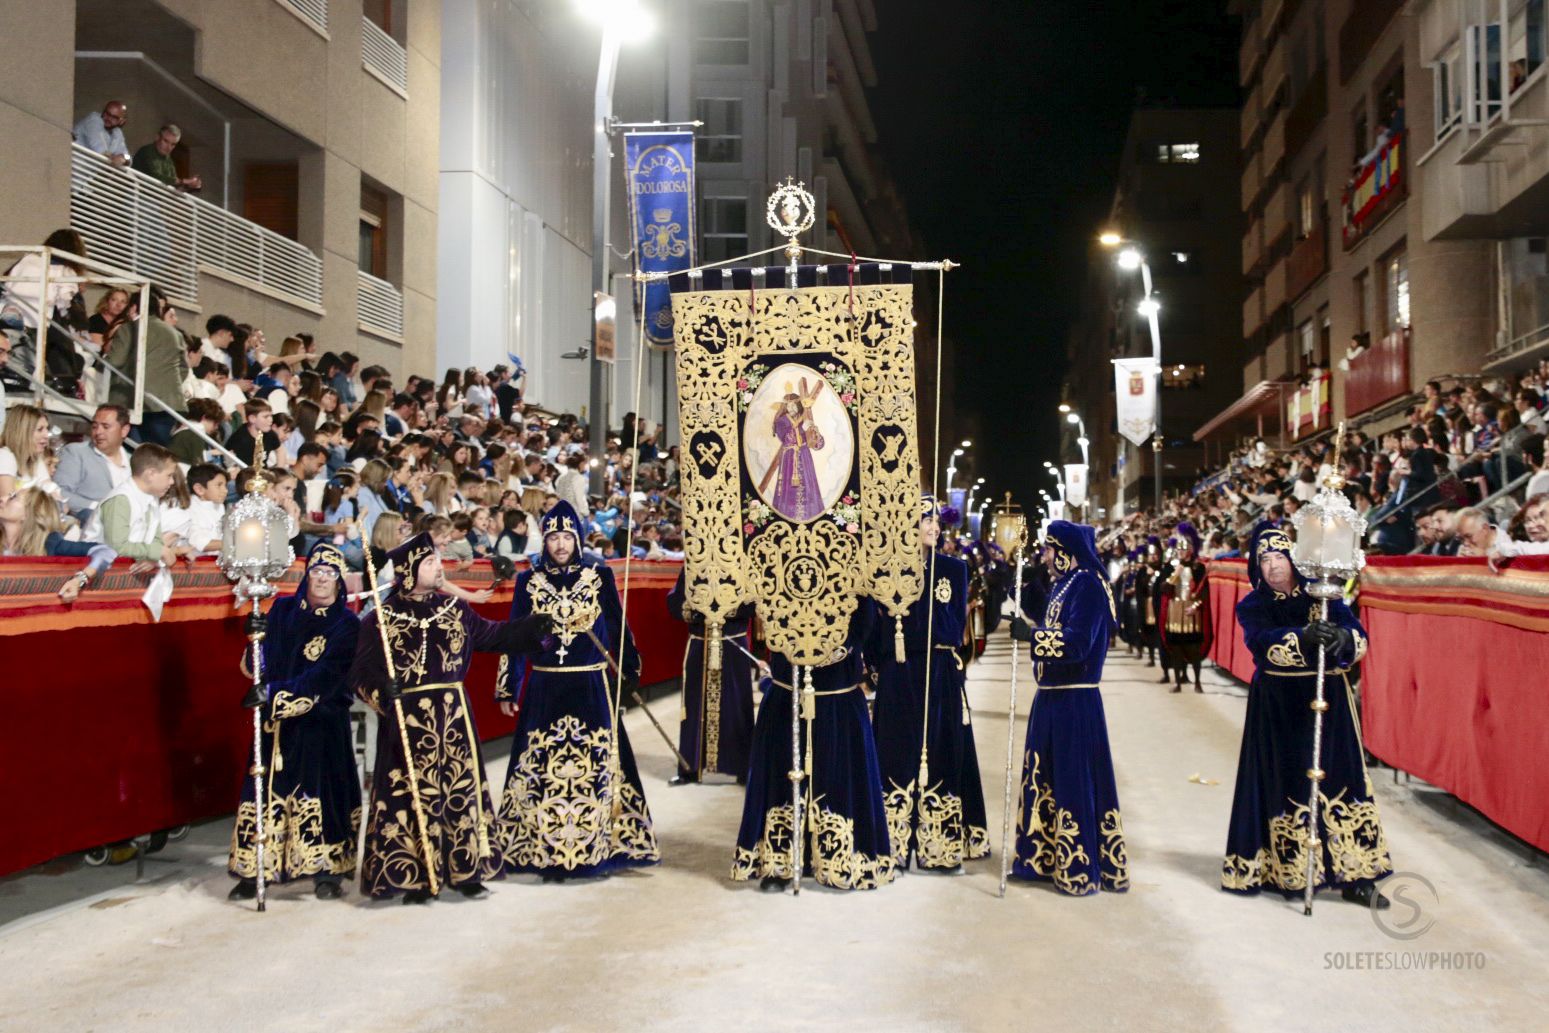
x=256 y=552
x=1327 y=553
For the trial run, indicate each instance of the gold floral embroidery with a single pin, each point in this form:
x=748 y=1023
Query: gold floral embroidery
x=285 y=706
x=1049 y=643
x=1287 y=652
x=295 y=845
x=452 y=791
x=559 y=809
x=943 y=590
x=1115 y=859
x=314 y=649
x=1054 y=835
x=978 y=842
x=898 y=803
x=503 y=692
x=939 y=838
x=1360 y=646
x=1063 y=561
x=410 y=640
x=834 y=859
x=573 y=610
x=1352 y=833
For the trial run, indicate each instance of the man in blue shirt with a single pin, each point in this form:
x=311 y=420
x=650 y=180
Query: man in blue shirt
x=103 y=132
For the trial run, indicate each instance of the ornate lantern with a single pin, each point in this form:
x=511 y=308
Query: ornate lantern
x=255 y=551
x=255 y=543
x=1009 y=527
x=1328 y=553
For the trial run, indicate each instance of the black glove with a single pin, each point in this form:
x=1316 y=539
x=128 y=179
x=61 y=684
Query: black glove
x=503 y=566
x=1320 y=634
x=1020 y=630
x=256 y=696
x=391 y=691
x=1344 y=639
x=257 y=622
x=530 y=631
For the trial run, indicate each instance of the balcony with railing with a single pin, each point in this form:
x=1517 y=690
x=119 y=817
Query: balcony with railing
x=378 y=307
x=1379 y=374
x=141 y=224
x=1309 y=408
x=384 y=57
x=1380 y=186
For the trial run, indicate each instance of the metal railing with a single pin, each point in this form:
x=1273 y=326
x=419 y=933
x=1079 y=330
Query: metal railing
x=385 y=56
x=378 y=307
x=137 y=222
x=314 y=11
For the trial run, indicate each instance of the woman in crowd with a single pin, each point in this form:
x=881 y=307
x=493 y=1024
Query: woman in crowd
x=24 y=450
x=30 y=526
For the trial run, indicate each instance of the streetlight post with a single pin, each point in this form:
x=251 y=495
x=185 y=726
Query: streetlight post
x=1131 y=258
x=952 y=462
x=619 y=18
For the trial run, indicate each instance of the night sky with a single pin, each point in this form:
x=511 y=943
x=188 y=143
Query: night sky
x=1003 y=123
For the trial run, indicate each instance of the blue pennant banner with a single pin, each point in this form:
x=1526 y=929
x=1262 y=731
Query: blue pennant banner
x=659 y=174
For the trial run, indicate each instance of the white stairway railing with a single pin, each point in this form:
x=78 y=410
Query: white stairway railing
x=378 y=307
x=132 y=220
x=384 y=55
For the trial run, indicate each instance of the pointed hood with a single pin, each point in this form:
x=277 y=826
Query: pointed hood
x=407 y=559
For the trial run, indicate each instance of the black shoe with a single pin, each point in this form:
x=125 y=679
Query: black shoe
x=245 y=889
x=1363 y=894
x=416 y=897
x=742 y=780
x=1164 y=679
x=473 y=890
x=1150 y=663
x=1176 y=688
x=1198 y=687
x=553 y=877
x=773 y=884
x=680 y=779
x=328 y=890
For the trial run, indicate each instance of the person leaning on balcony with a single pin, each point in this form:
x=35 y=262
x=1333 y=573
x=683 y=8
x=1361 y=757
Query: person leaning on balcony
x=166 y=366
x=155 y=160
x=103 y=132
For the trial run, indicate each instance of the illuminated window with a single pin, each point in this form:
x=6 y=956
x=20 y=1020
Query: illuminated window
x=1395 y=276
x=1177 y=153
x=1182 y=377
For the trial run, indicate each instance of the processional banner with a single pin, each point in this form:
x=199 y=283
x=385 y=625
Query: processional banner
x=659 y=175
x=801 y=482
x=1134 y=389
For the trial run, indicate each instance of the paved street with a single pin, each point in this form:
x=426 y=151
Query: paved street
x=681 y=947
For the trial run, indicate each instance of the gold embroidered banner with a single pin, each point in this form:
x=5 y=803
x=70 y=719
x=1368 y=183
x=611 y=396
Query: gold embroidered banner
x=801 y=481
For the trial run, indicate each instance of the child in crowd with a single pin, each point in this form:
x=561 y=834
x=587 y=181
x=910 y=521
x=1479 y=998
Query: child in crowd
x=513 y=539
x=130 y=516
x=207 y=484
x=479 y=540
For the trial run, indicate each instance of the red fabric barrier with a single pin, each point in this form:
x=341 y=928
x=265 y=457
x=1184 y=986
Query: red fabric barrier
x=115 y=726
x=1228 y=584
x=1452 y=690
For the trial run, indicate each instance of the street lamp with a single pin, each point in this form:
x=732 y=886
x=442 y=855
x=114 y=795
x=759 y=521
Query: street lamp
x=620 y=20
x=969 y=505
x=1130 y=259
x=952 y=463
x=1075 y=420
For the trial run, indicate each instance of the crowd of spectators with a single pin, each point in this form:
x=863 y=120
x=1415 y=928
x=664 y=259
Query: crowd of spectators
x=1463 y=474
x=351 y=454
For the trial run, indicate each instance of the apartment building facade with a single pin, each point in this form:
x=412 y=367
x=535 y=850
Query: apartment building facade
x=1351 y=299
x=312 y=124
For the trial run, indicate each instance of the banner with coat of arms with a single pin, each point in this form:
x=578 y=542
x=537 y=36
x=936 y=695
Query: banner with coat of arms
x=659 y=175
x=1134 y=389
x=801 y=474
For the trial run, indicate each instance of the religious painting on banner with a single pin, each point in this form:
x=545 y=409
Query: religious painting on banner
x=802 y=479
x=659 y=176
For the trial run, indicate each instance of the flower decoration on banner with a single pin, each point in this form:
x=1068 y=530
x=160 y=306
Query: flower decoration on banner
x=951 y=516
x=847 y=512
x=843 y=382
x=750 y=381
x=758 y=512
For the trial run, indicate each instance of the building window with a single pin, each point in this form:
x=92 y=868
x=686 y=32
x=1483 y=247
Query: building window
x=1525 y=46
x=1360 y=303
x=1395 y=292
x=372 y=255
x=1306 y=210
x=722 y=32
x=720 y=138
x=1448 y=74
x=1183 y=378
x=1325 y=337
x=723 y=228
x=1525 y=270
x=1306 y=346
x=1177 y=153
x=1358 y=127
